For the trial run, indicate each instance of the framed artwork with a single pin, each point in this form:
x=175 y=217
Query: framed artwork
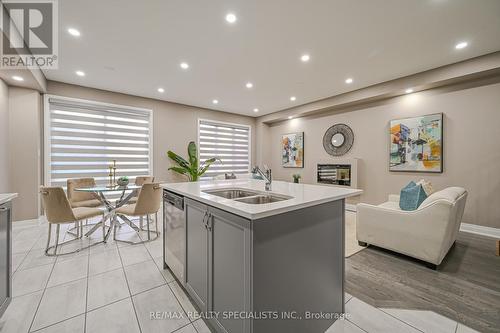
x=292 y=150
x=416 y=144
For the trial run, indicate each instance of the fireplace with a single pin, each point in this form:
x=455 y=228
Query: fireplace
x=334 y=174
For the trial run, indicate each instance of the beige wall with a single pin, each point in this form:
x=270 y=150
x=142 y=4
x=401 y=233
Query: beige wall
x=471 y=145
x=24 y=150
x=174 y=124
x=4 y=137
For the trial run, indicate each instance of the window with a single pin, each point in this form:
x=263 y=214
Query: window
x=82 y=138
x=228 y=142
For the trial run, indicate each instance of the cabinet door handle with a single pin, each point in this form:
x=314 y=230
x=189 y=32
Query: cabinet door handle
x=209 y=225
x=205 y=219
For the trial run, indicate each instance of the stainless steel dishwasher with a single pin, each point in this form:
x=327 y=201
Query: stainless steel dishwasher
x=174 y=234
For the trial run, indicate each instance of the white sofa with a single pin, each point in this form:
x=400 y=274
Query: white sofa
x=426 y=233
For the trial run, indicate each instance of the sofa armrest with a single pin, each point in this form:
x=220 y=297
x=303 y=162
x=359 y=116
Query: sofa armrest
x=394 y=197
x=420 y=233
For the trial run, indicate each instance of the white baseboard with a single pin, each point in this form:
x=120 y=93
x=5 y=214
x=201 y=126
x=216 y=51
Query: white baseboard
x=480 y=230
x=350 y=207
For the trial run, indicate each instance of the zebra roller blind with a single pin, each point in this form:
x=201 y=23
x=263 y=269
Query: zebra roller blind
x=82 y=138
x=228 y=142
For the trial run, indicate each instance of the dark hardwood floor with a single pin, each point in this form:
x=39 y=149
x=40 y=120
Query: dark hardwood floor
x=465 y=288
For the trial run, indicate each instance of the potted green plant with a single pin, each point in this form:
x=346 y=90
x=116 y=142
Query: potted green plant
x=296 y=178
x=123 y=181
x=191 y=169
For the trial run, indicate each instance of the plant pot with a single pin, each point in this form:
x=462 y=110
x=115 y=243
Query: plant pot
x=122 y=182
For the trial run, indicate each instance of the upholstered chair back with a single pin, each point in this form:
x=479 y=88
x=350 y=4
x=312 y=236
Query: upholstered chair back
x=56 y=205
x=141 y=180
x=149 y=200
x=75 y=196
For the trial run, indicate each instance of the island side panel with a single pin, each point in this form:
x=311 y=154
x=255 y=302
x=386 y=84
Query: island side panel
x=298 y=265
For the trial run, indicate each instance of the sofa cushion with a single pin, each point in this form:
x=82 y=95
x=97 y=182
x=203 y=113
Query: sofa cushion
x=427 y=186
x=394 y=205
x=412 y=195
x=450 y=194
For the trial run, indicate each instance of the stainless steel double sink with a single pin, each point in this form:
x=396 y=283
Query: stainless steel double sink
x=248 y=196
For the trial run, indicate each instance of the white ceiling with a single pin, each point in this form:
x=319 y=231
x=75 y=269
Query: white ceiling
x=135 y=47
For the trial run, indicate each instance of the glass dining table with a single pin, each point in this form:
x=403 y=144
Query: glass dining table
x=111 y=205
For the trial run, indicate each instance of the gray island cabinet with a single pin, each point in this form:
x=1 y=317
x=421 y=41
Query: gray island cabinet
x=257 y=261
x=276 y=267
x=6 y=250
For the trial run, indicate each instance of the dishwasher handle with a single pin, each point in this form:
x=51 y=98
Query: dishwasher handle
x=176 y=200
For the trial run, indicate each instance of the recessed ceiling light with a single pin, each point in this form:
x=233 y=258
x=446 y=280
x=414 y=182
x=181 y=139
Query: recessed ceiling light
x=249 y=85
x=80 y=73
x=161 y=90
x=215 y=101
x=290 y=117
x=184 y=65
x=255 y=110
x=17 y=78
x=348 y=80
x=231 y=18
x=293 y=98
x=74 y=32
x=409 y=91
x=305 y=58
x=461 y=45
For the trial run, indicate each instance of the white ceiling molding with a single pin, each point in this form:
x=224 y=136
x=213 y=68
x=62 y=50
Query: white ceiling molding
x=472 y=69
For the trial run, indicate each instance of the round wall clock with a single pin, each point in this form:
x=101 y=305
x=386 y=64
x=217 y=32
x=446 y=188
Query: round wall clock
x=338 y=140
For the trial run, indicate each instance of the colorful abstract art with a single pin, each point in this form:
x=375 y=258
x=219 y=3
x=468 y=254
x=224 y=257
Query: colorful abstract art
x=292 y=150
x=417 y=144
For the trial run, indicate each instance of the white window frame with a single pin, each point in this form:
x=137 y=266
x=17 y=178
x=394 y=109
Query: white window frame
x=200 y=120
x=47 y=130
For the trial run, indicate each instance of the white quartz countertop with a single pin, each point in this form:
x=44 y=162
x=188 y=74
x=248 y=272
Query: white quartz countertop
x=303 y=195
x=6 y=197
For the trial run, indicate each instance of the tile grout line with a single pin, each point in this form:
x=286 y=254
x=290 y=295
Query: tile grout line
x=352 y=321
x=43 y=294
x=169 y=287
x=86 y=292
x=404 y=322
x=129 y=291
x=168 y=284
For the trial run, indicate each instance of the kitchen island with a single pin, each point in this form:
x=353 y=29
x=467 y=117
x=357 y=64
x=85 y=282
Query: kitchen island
x=259 y=261
x=5 y=250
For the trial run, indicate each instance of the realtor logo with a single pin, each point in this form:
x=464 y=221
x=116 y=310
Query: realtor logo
x=29 y=37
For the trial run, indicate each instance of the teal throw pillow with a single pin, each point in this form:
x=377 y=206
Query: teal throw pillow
x=412 y=195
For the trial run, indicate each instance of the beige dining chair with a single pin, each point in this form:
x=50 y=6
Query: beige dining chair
x=58 y=211
x=139 y=181
x=148 y=203
x=81 y=199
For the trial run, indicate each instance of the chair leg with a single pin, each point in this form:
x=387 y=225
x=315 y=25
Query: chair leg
x=156 y=223
x=147 y=221
x=81 y=229
x=58 y=227
x=103 y=228
x=77 y=227
x=48 y=238
x=141 y=222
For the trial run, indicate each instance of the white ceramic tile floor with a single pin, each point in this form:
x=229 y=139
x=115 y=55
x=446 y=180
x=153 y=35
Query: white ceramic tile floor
x=113 y=287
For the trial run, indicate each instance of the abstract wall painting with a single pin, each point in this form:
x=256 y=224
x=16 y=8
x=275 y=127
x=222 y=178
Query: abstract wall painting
x=417 y=144
x=292 y=150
